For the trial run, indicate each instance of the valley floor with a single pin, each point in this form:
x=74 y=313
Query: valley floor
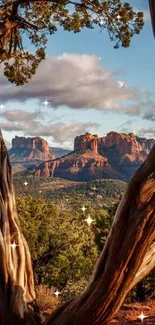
x=128 y=314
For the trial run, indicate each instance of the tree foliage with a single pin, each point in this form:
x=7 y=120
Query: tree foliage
x=35 y=20
x=63 y=259
x=62 y=245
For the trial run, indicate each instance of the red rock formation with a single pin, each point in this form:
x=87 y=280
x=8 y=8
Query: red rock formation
x=124 y=143
x=86 y=141
x=31 y=143
x=117 y=155
x=85 y=166
x=30 y=149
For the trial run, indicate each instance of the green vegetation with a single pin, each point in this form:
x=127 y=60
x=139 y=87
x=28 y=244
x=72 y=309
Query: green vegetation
x=101 y=192
x=64 y=247
x=35 y=20
x=62 y=244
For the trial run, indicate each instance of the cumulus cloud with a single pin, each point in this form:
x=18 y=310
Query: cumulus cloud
x=77 y=81
x=150 y=132
x=61 y=132
x=20 y=115
x=143 y=108
x=149 y=116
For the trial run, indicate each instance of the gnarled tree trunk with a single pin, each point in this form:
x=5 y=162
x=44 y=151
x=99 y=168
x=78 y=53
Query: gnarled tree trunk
x=126 y=257
x=17 y=296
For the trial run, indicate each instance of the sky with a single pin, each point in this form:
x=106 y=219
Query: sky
x=90 y=87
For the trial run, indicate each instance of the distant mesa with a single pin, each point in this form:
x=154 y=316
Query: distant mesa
x=115 y=156
x=28 y=151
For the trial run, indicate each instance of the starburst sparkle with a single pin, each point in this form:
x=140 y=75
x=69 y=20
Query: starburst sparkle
x=13 y=245
x=46 y=102
x=141 y=316
x=57 y=293
x=83 y=208
x=89 y=220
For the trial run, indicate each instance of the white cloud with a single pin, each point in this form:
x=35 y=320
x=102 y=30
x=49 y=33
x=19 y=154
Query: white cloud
x=150 y=132
x=80 y=81
x=60 y=132
x=20 y=115
x=76 y=81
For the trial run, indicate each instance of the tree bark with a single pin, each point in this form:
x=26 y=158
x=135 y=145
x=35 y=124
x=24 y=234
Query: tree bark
x=128 y=256
x=146 y=267
x=123 y=261
x=17 y=295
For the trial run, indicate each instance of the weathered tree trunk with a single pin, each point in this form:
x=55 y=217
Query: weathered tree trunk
x=128 y=256
x=17 y=296
x=123 y=261
x=146 y=267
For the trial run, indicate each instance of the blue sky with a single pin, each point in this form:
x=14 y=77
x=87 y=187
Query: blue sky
x=83 y=71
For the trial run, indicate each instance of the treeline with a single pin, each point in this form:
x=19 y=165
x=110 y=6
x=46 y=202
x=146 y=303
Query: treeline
x=64 y=248
x=102 y=191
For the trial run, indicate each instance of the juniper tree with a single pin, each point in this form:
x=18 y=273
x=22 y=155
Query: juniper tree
x=36 y=20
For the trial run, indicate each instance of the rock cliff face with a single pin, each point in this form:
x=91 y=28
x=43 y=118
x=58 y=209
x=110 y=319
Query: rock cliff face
x=86 y=141
x=117 y=155
x=27 y=149
x=125 y=152
x=124 y=143
x=85 y=165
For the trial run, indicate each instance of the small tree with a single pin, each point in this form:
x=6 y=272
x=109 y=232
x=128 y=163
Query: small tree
x=59 y=257
x=36 y=19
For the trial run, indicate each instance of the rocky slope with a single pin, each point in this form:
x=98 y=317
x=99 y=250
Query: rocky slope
x=117 y=155
x=78 y=165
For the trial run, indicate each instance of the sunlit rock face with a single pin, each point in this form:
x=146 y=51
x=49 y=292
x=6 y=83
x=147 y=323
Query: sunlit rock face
x=125 y=152
x=86 y=141
x=29 y=149
x=116 y=156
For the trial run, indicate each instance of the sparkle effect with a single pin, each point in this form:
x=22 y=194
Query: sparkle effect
x=57 y=293
x=118 y=17
x=13 y=245
x=2 y=106
x=141 y=317
x=25 y=183
x=83 y=208
x=89 y=220
x=46 y=102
